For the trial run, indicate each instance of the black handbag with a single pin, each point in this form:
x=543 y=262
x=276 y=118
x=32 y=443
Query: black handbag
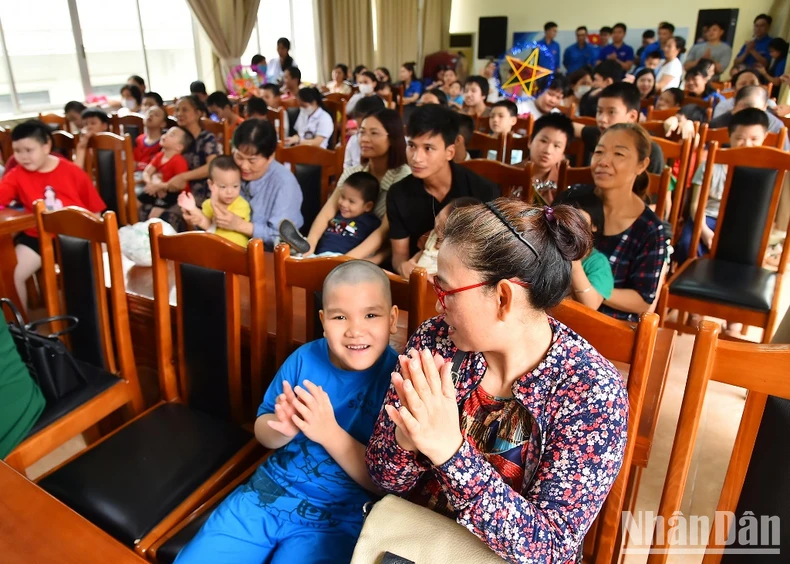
x=50 y=363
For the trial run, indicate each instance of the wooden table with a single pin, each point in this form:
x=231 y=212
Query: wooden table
x=11 y=222
x=36 y=527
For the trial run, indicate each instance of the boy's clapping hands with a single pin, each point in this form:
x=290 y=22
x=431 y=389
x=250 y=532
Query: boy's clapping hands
x=308 y=410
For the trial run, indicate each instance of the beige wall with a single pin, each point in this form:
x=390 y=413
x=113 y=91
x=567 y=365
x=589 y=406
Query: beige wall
x=532 y=14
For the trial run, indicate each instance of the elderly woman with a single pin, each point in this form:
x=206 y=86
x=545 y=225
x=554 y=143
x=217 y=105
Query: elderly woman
x=501 y=416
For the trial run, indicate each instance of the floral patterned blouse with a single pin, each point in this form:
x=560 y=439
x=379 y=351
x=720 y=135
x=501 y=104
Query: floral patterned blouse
x=566 y=426
x=196 y=156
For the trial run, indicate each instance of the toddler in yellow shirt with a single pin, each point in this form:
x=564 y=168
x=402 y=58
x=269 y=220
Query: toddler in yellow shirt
x=224 y=182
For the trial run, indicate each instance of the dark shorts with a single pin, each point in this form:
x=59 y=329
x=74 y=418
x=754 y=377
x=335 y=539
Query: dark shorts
x=27 y=241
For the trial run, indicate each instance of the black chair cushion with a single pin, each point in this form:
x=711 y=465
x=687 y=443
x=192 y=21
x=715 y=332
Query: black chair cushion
x=98 y=381
x=167 y=552
x=134 y=479
x=731 y=283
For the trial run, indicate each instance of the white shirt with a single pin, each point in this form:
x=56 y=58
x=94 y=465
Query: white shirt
x=353 y=156
x=318 y=124
x=529 y=107
x=674 y=68
x=274 y=70
x=727 y=106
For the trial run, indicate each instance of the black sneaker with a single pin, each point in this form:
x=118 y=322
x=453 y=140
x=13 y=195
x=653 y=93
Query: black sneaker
x=290 y=234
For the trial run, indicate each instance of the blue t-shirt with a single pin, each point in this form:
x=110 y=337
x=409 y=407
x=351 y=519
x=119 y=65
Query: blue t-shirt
x=777 y=67
x=303 y=483
x=344 y=234
x=575 y=57
x=554 y=49
x=624 y=52
x=655 y=46
x=415 y=87
x=761 y=46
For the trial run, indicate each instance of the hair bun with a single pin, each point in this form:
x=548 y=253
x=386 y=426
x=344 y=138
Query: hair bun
x=570 y=232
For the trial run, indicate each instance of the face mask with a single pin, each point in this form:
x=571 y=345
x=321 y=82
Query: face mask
x=365 y=88
x=580 y=91
x=308 y=111
x=130 y=103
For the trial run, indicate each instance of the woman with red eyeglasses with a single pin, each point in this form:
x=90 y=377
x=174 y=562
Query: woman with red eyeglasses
x=500 y=416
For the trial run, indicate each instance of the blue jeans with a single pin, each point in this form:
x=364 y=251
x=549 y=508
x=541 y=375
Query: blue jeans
x=241 y=531
x=684 y=242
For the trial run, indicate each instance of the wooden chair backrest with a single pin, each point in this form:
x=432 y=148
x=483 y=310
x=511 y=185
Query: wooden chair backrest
x=617 y=341
x=484 y=143
x=585 y=120
x=331 y=163
x=732 y=363
x=64 y=143
x=292 y=102
x=115 y=341
x=309 y=274
x=335 y=97
x=524 y=126
x=220 y=130
x=482 y=124
x=401 y=92
x=661 y=115
x=719 y=86
x=570 y=175
x=170 y=109
x=675 y=151
x=337 y=110
x=514 y=143
x=116 y=182
x=276 y=116
x=658 y=187
x=5 y=144
x=765 y=158
x=569 y=111
x=697 y=101
x=55 y=119
x=647 y=103
x=128 y=124
x=656 y=129
x=575 y=150
x=777 y=140
x=514 y=181
x=217 y=263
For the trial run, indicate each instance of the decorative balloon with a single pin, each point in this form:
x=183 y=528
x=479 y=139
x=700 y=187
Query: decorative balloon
x=244 y=80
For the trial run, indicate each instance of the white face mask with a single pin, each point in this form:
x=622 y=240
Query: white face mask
x=365 y=88
x=308 y=111
x=130 y=103
x=580 y=91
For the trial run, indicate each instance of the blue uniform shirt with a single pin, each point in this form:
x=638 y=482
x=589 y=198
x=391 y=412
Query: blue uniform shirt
x=304 y=483
x=655 y=46
x=761 y=46
x=575 y=57
x=624 y=52
x=415 y=87
x=554 y=49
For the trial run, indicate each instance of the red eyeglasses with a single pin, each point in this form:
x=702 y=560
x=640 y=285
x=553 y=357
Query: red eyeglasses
x=440 y=294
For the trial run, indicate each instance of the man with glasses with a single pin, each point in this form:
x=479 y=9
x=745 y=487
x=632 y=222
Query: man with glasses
x=435 y=180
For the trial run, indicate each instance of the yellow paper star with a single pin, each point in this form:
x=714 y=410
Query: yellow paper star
x=531 y=64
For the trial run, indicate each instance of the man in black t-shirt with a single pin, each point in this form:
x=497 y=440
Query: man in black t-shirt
x=414 y=202
x=617 y=103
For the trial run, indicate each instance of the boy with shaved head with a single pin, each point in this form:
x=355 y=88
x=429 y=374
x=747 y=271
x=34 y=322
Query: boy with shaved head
x=304 y=503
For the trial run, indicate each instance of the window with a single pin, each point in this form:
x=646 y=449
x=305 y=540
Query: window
x=169 y=46
x=41 y=50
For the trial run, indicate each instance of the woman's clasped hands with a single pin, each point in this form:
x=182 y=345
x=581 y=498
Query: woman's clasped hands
x=427 y=420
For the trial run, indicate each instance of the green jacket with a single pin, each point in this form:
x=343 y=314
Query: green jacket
x=21 y=400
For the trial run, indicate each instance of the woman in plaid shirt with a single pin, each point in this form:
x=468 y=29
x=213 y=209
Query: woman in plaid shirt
x=520 y=440
x=633 y=237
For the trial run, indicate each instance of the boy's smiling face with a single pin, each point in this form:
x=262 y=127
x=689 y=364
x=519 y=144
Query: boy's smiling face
x=358 y=321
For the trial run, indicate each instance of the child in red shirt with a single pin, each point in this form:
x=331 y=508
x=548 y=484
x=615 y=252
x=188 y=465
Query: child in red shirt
x=40 y=175
x=166 y=164
x=148 y=145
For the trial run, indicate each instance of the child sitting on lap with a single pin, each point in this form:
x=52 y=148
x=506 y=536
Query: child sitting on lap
x=166 y=164
x=224 y=183
x=304 y=503
x=426 y=258
x=353 y=223
x=146 y=146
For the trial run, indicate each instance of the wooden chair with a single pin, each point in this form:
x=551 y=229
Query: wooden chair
x=482 y=124
x=290 y=102
x=514 y=143
x=275 y=116
x=309 y=274
x=55 y=121
x=576 y=151
x=661 y=115
x=697 y=101
x=221 y=131
x=400 y=93
x=571 y=175
x=170 y=109
x=658 y=188
x=623 y=342
x=585 y=120
x=110 y=161
x=143 y=479
x=483 y=143
x=762 y=371
x=719 y=86
x=675 y=151
x=335 y=97
x=317 y=171
x=513 y=181
x=524 y=126
x=5 y=143
x=730 y=283
x=569 y=111
x=337 y=110
x=101 y=342
x=647 y=103
x=64 y=143
x=133 y=124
